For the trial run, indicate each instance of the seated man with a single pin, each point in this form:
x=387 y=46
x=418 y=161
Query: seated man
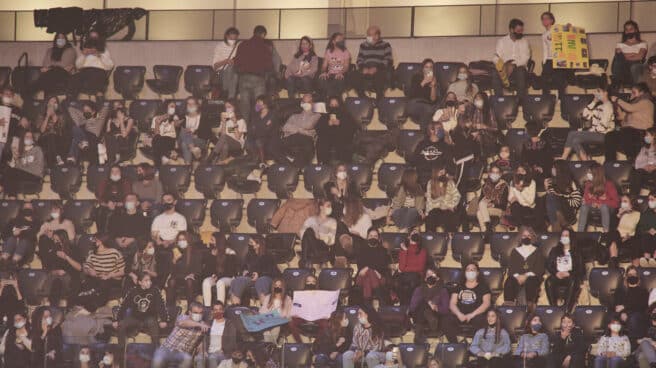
x=126 y=225
x=213 y=350
x=374 y=62
x=634 y=117
x=88 y=125
x=187 y=334
x=512 y=55
x=169 y=223
x=297 y=144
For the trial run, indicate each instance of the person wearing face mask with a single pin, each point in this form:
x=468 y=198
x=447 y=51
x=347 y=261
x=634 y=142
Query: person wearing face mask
x=261 y=130
x=521 y=199
x=181 y=343
x=483 y=121
x=491 y=344
x=318 y=236
x=623 y=239
x=332 y=341
x=429 y=303
x=337 y=61
x=127 y=225
x=646 y=230
x=19 y=238
x=62 y=265
x=512 y=55
x=463 y=87
x=93 y=64
x=629 y=304
x=253 y=60
x=120 y=135
x=525 y=269
x=646 y=352
x=84 y=357
x=373 y=262
x=339 y=189
x=566 y=271
x=109 y=360
x=335 y=133
x=468 y=303
x=563 y=196
x=258 y=270
x=368 y=340
x=16 y=343
x=169 y=223
x=442 y=202
x=103 y=268
x=232 y=135
x=492 y=202
x=220 y=268
x=448 y=113
x=422 y=93
x=505 y=161
x=88 y=126
x=374 y=63
x=143 y=262
x=110 y=193
x=629 y=55
x=649 y=75
x=599 y=193
x=296 y=322
x=634 y=117
x=236 y=361
x=58 y=65
x=147 y=187
x=569 y=345
x=140 y=309
x=613 y=347
x=195 y=131
x=26 y=166
x=223 y=62
x=645 y=164
x=164 y=132
x=408 y=203
x=412 y=265
x=299 y=132
x=56 y=220
x=276 y=301
x=186 y=267
x=55 y=138
x=302 y=68
x=551 y=78
x=600 y=115
x=533 y=347
x=46 y=337
x=435 y=149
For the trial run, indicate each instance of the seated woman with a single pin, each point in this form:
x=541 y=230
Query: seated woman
x=56 y=221
x=261 y=130
x=412 y=265
x=442 y=202
x=489 y=134
x=469 y=303
x=332 y=341
x=491 y=344
x=62 y=264
x=600 y=193
x=144 y=262
x=258 y=270
x=110 y=192
x=335 y=133
x=164 y=131
x=94 y=57
x=302 y=68
x=16 y=343
x=435 y=149
x=566 y=270
x=276 y=301
x=505 y=162
x=373 y=262
x=47 y=342
x=630 y=304
x=646 y=352
x=521 y=199
x=58 y=65
x=186 y=267
x=368 y=340
x=338 y=188
x=613 y=347
x=104 y=267
x=569 y=346
x=622 y=240
x=120 y=135
x=26 y=166
x=493 y=200
x=408 y=204
x=533 y=347
x=55 y=138
x=525 y=269
x=336 y=64
x=536 y=154
x=19 y=239
x=232 y=136
x=318 y=236
x=563 y=196
x=423 y=94
x=629 y=56
x=465 y=136
x=600 y=114
x=221 y=267
x=296 y=322
x=463 y=87
x=428 y=306
x=645 y=164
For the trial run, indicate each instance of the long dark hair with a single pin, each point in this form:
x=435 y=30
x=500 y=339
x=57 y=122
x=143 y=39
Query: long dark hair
x=497 y=326
x=409 y=182
x=563 y=179
x=57 y=52
x=486 y=111
x=236 y=109
x=374 y=320
x=299 y=52
x=221 y=245
x=528 y=329
x=331 y=43
x=637 y=30
x=572 y=242
x=65 y=241
x=37 y=316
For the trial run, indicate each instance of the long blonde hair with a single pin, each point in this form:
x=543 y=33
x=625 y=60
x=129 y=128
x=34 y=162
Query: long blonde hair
x=438 y=187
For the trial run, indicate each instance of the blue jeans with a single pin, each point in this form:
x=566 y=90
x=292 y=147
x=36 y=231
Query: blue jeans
x=210 y=360
x=164 y=356
x=576 y=140
x=79 y=136
x=405 y=217
x=585 y=211
x=186 y=139
x=603 y=362
x=229 y=79
x=16 y=247
x=553 y=205
x=324 y=361
x=239 y=284
x=251 y=86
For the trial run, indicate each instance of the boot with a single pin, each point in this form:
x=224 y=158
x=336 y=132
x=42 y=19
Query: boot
x=530 y=307
x=614 y=263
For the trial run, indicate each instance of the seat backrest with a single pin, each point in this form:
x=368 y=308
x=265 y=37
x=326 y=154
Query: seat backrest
x=175 y=178
x=413 y=355
x=391 y=110
x=129 y=80
x=239 y=243
x=618 y=172
x=295 y=278
x=539 y=108
x=281 y=246
x=143 y=111
x=297 y=355
x=603 y=283
x=393 y=243
x=408 y=142
x=80 y=212
x=515 y=138
x=493 y=277
x=505 y=109
x=226 y=214
x=95 y=174
x=501 y=245
x=361 y=109
x=451 y=355
x=579 y=169
x=550 y=317
x=361 y=175
x=193 y=210
x=282 y=179
x=23 y=77
x=210 y=180
x=467 y=247
x=315 y=177
x=572 y=106
x=5 y=76
x=352 y=315
x=513 y=319
x=9 y=210
x=450 y=274
x=647 y=278
x=66 y=180
x=260 y=212
x=197 y=79
x=32 y=284
x=446 y=73
x=404 y=73
x=34 y=109
x=41 y=208
x=591 y=320
x=546 y=242
x=395 y=320
x=436 y=245
x=168 y=73
x=335 y=278
x=389 y=177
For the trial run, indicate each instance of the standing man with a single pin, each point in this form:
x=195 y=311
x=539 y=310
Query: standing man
x=512 y=52
x=253 y=60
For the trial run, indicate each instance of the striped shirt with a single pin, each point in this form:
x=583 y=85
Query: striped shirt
x=378 y=54
x=362 y=340
x=104 y=263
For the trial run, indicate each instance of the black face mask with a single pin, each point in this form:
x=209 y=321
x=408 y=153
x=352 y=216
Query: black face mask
x=340 y=44
x=653 y=317
x=141 y=177
x=526 y=241
x=443 y=178
x=415 y=238
x=88 y=115
x=310 y=286
x=451 y=103
x=632 y=280
x=431 y=280
x=236 y=360
x=629 y=35
x=168 y=206
x=277 y=290
x=518 y=36
x=372 y=242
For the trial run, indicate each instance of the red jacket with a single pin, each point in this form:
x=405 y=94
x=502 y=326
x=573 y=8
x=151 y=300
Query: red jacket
x=609 y=198
x=411 y=261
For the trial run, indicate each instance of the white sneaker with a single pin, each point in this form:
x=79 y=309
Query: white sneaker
x=652 y=262
x=644 y=262
x=196 y=152
x=165 y=160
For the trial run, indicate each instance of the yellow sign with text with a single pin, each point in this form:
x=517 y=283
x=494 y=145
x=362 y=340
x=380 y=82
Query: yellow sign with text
x=569 y=47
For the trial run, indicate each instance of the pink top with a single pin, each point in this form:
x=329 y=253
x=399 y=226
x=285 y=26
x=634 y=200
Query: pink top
x=338 y=61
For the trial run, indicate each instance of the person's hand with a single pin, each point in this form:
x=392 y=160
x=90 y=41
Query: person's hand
x=652 y=231
x=619 y=308
x=91 y=272
x=115 y=325
x=104 y=276
x=254 y=276
x=531 y=355
x=59 y=273
x=191 y=276
x=610 y=354
x=613 y=99
x=562 y=274
x=203 y=327
x=51 y=355
x=363 y=271
x=378 y=274
x=340 y=341
x=334 y=191
x=333 y=355
x=596 y=205
x=16 y=231
x=134 y=278
x=389 y=221
x=323 y=76
x=462 y=317
x=403 y=247
x=358 y=355
x=111 y=205
x=433 y=82
x=162 y=325
x=521 y=279
x=566 y=361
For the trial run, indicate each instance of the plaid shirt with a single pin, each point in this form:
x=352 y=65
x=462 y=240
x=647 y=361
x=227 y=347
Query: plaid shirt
x=183 y=339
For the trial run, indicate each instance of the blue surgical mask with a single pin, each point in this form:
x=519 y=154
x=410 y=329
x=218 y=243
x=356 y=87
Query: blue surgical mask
x=648 y=139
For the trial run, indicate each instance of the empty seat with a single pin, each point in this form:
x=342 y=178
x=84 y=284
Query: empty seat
x=501 y=245
x=360 y=108
x=450 y=275
x=436 y=245
x=555 y=139
x=546 y=242
x=395 y=320
x=352 y=314
x=539 y=108
x=129 y=81
x=24 y=78
x=451 y=355
x=193 y=210
x=9 y=210
x=592 y=81
x=618 y=172
x=95 y=174
x=260 y=212
x=515 y=139
x=315 y=177
x=467 y=247
x=403 y=75
x=42 y=209
x=493 y=277
x=297 y=355
x=226 y=214
x=414 y=355
x=591 y=320
x=391 y=111
x=408 y=142
x=209 y=180
x=167 y=79
x=197 y=80
x=505 y=109
x=389 y=177
x=282 y=179
x=281 y=247
x=85 y=244
x=33 y=110
x=239 y=243
x=550 y=317
x=361 y=175
x=5 y=76
x=603 y=282
x=295 y=278
x=66 y=180
x=513 y=319
x=571 y=108
x=175 y=178
x=647 y=278
x=32 y=284
x=472 y=177
x=335 y=278
x=446 y=73
x=81 y=213
x=393 y=242
x=143 y=111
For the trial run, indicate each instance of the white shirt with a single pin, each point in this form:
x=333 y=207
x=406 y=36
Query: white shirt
x=631 y=49
x=233 y=127
x=102 y=61
x=546 y=46
x=168 y=226
x=216 y=333
x=564 y=262
x=361 y=226
x=166 y=128
x=525 y=197
x=192 y=122
x=222 y=51
x=519 y=51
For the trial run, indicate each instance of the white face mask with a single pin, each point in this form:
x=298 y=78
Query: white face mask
x=107 y=360
x=341 y=175
x=49 y=321
x=363 y=320
x=564 y=240
x=462 y=76
x=54 y=215
x=182 y=244
x=306 y=106
x=115 y=177
x=589 y=176
x=7 y=100
x=345 y=322
x=171 y=111
x=328 y=211
x=192 y=109
x=150 y=251
x=624 y=205
x=85 y=358
x=231 y=42
x=471 y=275
x=19 y=325
x=615 y=327
x=61 y=42
x=28 y=142
x=495 y=177
x=130 y=206
x=370 y=39
x=652 y=204
x=478 y=104
x=389 y=356
x=196 y=317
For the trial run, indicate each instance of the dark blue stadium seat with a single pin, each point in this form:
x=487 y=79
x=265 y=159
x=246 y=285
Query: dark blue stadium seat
x=209 y=180
x=315 y=177
x=66 y=180
x=282 y=180
x=260 y=212
x=193 y=210
x=226 y=214
x=391 y=111
x=389 y=177
x=505 y=109
x=175 y=178
x=129 y=81
x=360 y=108
x=197 y=80
x=167 y=79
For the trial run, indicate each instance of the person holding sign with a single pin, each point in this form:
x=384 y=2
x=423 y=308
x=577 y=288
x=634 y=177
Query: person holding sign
x=551 y=78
